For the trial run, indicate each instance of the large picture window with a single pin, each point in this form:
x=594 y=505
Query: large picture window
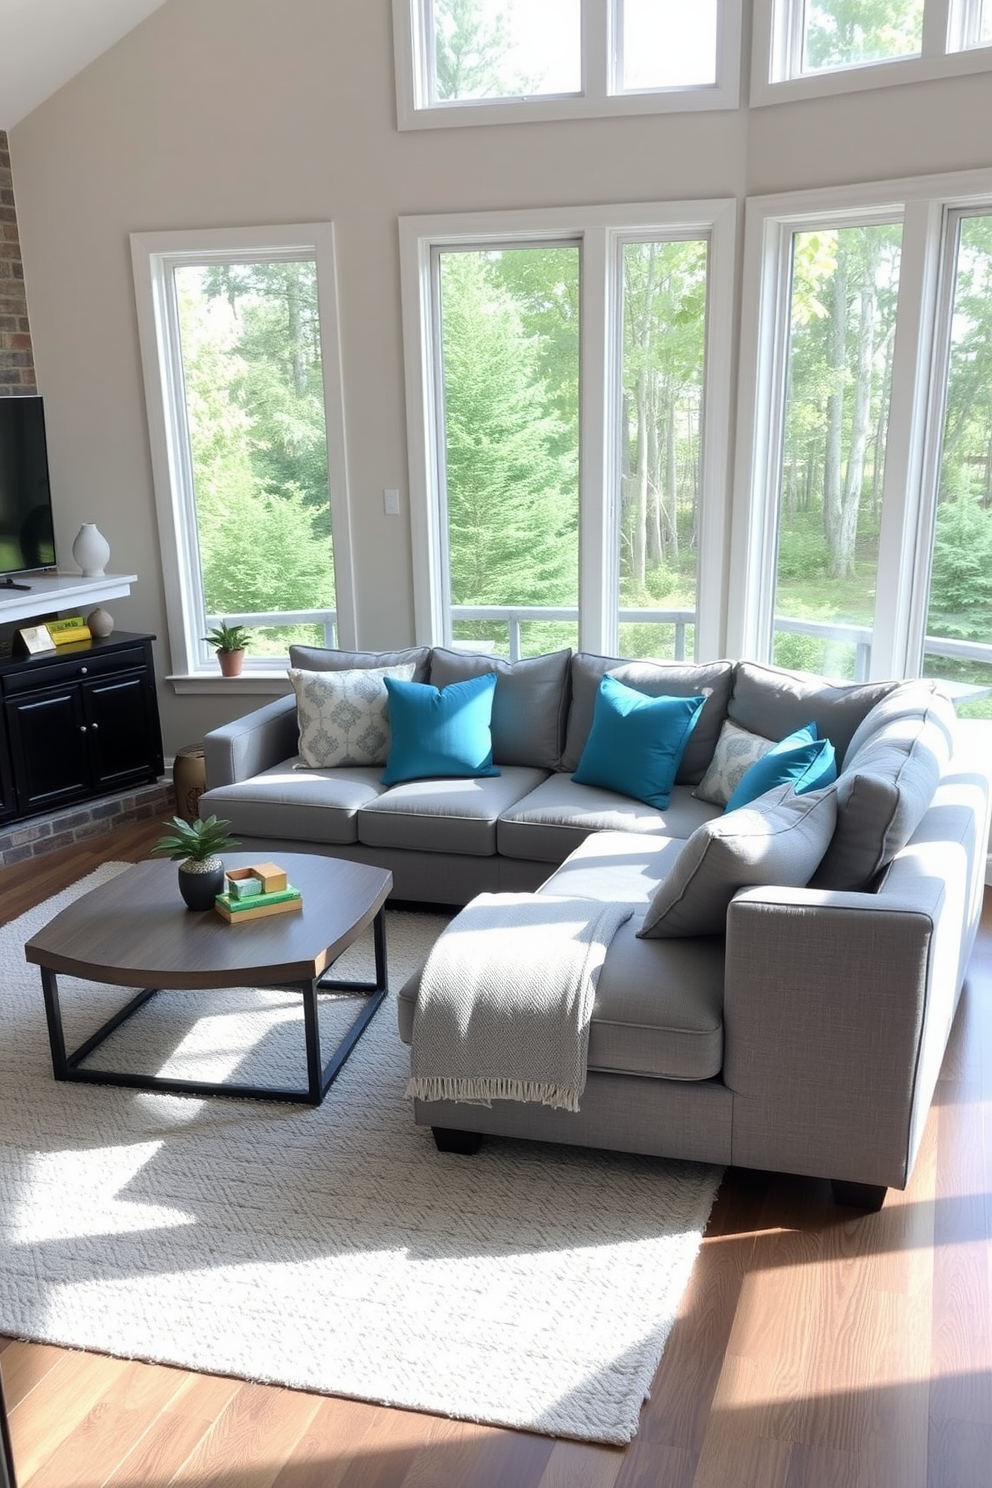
x=863 y=524
x=521 y=329
x=496 y=61
x=240 y=374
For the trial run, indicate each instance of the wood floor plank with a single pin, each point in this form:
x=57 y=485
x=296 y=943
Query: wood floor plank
x=339 y=1431
x=112 y=1429
x=176 y=1431
x=249 y=1440
x=815 y=1348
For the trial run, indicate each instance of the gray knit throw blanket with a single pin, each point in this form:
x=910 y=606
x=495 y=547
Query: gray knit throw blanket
x=506 y=998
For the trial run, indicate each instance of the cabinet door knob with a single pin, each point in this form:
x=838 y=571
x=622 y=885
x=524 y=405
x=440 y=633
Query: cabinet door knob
x=82 y=728
x=83 y=671
x=94 y=725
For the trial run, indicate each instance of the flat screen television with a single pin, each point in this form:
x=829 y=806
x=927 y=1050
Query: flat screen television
x=27 y=539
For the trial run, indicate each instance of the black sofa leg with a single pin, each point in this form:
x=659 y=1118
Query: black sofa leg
x=449 y=1139
x=867 y=1196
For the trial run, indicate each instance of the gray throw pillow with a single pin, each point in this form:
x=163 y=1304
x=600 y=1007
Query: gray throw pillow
x=736 y=751
x=344 y=716
x=529 y=703
x=892 y=768
x=778 y=839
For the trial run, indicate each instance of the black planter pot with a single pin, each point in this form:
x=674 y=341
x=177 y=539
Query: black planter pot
x=200 y=884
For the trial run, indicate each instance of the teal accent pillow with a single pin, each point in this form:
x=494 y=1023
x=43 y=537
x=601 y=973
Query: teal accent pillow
x=636 y=742
x=440 y=731
x=808 y=762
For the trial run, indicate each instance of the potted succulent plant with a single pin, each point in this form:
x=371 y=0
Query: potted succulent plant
x=195 y=847
x=229 y=641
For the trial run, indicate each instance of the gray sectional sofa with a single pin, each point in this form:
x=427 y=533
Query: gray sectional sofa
x=795 y=1025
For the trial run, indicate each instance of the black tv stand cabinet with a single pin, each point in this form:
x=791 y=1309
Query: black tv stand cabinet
x=77 y=723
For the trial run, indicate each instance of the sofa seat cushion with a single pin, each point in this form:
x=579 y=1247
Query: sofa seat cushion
x=556 y=817
x=297 y=803
x=658 y=1011
x=891 y=771
x=450 y=815
x=623 y=866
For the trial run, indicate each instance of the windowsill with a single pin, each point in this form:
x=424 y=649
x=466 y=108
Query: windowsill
x=253 y=683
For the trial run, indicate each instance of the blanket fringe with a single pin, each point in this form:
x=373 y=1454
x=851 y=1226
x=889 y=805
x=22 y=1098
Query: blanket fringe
x=482 y=1092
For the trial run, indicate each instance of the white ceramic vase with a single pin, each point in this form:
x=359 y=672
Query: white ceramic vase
x=90 y=550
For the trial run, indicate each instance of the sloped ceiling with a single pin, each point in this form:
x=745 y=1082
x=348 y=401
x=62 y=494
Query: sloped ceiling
x=43 y=43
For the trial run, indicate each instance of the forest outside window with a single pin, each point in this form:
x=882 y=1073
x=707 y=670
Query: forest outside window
x=249 y=484
x=863 y=530
x=804 y=47
x=520 y=330
x=498 y=61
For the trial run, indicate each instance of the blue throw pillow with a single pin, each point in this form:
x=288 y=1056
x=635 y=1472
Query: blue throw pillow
x=809 y=762
x=440 y=731
x=636 y=742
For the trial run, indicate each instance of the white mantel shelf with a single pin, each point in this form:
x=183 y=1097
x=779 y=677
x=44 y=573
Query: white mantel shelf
x=58 y=591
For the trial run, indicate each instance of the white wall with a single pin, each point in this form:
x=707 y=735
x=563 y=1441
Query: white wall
x=218 y=113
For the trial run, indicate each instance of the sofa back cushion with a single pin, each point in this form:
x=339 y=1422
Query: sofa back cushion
x=529 y=705
x=772 y=701
x=330 y=659
x=657 y=679
x=343 y=716
x=779 y=839
x=891 y=770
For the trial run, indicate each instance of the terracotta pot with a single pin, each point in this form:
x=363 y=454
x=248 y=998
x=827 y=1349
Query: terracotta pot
x=231 y=662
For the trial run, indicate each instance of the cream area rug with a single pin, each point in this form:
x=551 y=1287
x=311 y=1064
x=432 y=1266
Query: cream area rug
x=330 y=1248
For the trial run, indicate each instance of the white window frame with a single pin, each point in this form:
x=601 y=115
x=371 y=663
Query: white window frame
x=948 y=50
x=925 y=206
x=599 y=96
x=155 y=256
x=600 y=233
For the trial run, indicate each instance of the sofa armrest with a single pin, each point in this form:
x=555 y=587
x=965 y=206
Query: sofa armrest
x=251 y=744
x=837 y=1010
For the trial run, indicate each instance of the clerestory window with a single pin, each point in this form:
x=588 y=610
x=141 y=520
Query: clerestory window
x=498 y=61
x=805 y=47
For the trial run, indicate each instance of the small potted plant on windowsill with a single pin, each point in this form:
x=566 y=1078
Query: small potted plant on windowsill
x=230 y=642
x=195 y=847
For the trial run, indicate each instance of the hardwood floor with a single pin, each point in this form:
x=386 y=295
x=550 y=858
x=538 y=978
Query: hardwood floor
x=815 y=1348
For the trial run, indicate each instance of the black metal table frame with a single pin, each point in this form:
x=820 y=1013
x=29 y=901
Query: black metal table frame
x=67 y=1066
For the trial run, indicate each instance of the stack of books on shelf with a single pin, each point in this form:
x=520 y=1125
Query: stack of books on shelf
x=251 y=893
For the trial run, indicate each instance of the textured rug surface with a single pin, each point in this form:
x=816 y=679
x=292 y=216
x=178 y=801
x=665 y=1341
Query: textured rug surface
x=331 y=1249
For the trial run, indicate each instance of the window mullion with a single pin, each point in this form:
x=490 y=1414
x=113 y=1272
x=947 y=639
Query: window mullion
x=764 y=367
x=600 y=22
x=937 y=27
x=901 y=589
x=599 y=398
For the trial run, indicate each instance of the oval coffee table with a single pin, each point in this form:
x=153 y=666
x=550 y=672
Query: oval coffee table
x=136 y=932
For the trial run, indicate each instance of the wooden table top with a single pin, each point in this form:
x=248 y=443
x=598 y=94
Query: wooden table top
x=135 y=931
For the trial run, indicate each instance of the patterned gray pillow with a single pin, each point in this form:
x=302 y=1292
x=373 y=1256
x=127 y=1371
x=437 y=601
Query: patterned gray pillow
x=344 y=716
x=736 y=751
